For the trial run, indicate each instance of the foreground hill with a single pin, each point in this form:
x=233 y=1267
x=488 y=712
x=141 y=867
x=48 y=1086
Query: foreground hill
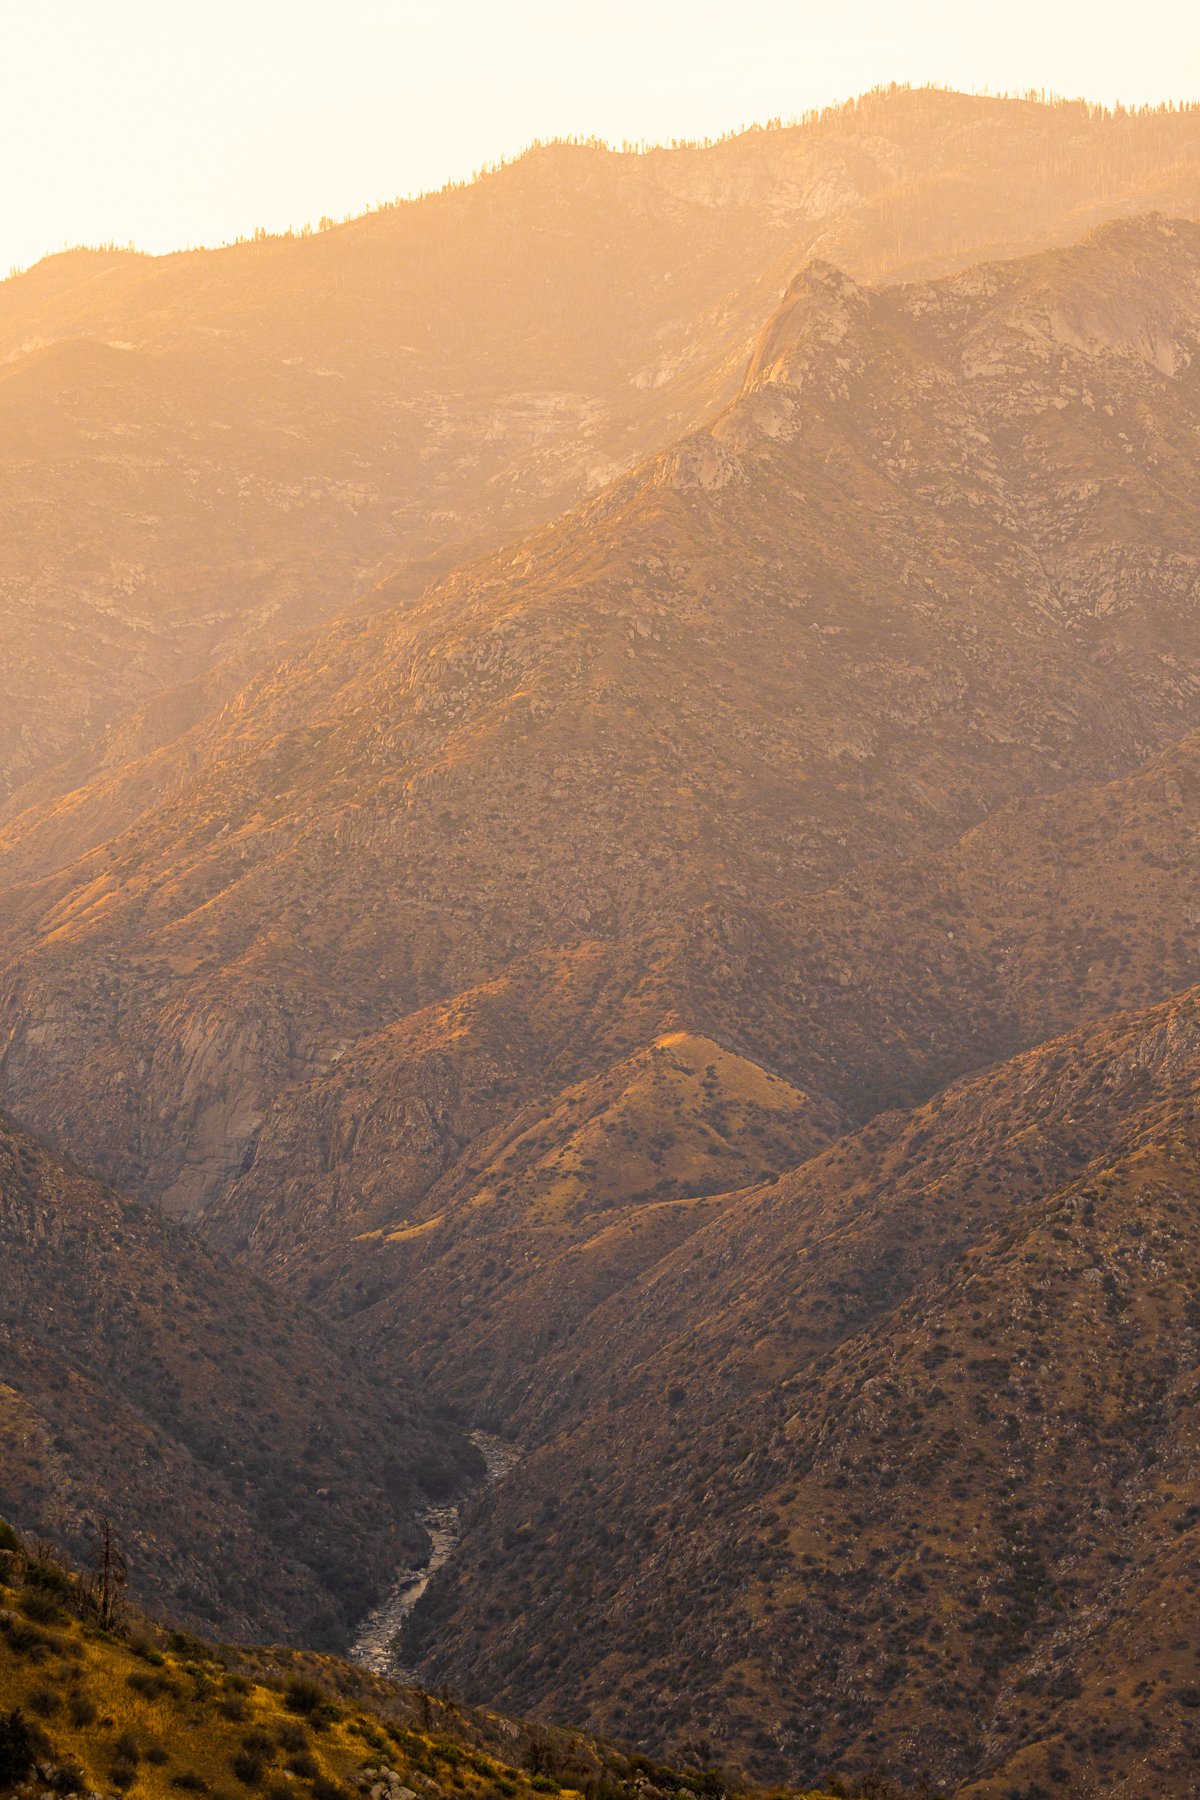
x=204 y=453
x=938 y=555
x=159 y=1712
x=257 y=1479
x=893 y=1461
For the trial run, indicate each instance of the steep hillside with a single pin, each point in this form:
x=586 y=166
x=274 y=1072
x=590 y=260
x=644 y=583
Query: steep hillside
x=204 y=453
x=542 y=1219
x=894 y=1461
x=139 y=1707
x=259 y=1481
x=876 y=991
x=938 y=555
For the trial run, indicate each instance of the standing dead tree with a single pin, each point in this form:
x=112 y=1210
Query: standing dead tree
x=109 y=1576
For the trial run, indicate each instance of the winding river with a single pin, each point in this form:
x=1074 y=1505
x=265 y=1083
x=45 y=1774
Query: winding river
x=374 y=1647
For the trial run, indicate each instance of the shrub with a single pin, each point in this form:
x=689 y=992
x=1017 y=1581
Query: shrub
x=291 y=1735
x=304 y=1695
x=44 y=1572
x=248 y=1766
x=68 y=1777
x=151 y=1685
x=80 y=1711
x=190 y=1782
x=45 y=1701
x=21 y=1743
x=123 y=1775
x=27 y=1641
x=324 y=1788
x=126 y=1749
x=305 y=1765
x=8 y=1537
x=40 y=1605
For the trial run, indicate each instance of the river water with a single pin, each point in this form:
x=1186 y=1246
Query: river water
x=374 y=1647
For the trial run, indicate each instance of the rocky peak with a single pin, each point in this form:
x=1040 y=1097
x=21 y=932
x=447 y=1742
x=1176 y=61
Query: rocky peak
x=818 y=313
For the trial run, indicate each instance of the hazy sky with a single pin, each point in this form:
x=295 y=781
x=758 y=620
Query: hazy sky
x=170 y=122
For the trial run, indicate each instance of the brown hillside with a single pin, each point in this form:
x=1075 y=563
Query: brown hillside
x=258 y=1480
x=893 y=1461
x=941 y=558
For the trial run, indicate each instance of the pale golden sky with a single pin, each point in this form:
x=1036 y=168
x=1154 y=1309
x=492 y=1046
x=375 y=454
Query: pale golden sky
x=171 y=123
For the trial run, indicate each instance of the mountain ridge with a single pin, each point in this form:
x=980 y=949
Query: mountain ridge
x=265 y=429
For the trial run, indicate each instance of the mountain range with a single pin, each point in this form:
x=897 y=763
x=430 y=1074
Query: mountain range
x=666 y=935
x=203 y=453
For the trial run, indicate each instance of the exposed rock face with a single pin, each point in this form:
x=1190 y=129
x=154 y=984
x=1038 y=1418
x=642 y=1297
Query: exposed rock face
x=234 y=443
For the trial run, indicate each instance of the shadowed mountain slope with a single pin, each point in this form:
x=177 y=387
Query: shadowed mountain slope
x=875 y=991
x=257 y=1479
x=204 y=453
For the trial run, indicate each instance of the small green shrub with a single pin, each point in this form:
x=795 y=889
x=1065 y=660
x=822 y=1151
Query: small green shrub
x=69 y=1777
x=27 y=1641
x=151 y=1685
x=40 y=1605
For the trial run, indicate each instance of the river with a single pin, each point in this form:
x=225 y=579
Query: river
x=374 y=1646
